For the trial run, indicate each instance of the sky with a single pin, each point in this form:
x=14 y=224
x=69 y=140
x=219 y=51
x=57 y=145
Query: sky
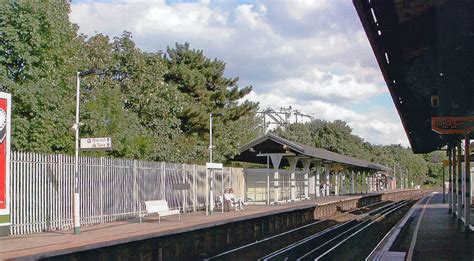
x=312 y=55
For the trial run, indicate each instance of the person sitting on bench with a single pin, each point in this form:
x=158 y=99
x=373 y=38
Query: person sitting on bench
x=239 y=204
x=227 y=201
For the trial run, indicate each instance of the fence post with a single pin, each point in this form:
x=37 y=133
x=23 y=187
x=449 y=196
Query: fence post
x=101 y=189
x=163 y=180
x=184 y=192
x=136 y=184
x=194 y=188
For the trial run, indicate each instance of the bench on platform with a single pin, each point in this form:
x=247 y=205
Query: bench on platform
x=159 y=207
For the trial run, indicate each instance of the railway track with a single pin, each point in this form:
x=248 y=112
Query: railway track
x=306 y=237
x=321 y=245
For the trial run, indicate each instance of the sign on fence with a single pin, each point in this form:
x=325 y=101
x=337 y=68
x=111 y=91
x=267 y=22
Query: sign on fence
x=5 y=116
x=96 y=143
x=181 y=186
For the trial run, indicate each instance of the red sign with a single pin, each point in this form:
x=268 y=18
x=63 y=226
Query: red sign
x=452 y=125
x=3 y=154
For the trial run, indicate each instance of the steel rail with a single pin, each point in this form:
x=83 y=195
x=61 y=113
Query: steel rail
x=375 y=253
x=361 y=229
x=318 y=235
x=287 y=232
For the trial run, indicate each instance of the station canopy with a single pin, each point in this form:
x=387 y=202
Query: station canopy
x=257 y=150
x=425 y=50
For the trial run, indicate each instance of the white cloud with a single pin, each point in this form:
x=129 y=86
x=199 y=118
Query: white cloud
x=309 y=54
x=377 y=126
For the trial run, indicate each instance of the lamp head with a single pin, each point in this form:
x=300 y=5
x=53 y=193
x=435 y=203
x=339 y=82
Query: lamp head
x=89 y=72
x=217 y=114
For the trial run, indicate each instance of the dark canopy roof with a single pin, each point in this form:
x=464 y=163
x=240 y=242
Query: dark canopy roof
x=424 y=49
x=271 y=143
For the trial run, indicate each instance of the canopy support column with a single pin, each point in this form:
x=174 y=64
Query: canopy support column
x=467 y=183
x=450 y=181
x=317 y=186
x=292 y=161
x=306 y=165
x=459 y=167
x=276 y=160
x=352 y=182
x=455 y=181
x=327 y=186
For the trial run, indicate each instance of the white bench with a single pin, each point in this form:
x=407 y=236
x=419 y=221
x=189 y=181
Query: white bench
x=159 y=207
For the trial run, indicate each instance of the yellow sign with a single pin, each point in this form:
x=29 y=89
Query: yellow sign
x=445 y=163
x=337 y=167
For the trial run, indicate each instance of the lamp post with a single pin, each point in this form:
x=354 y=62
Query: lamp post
x=218 y=114
x=211 y=190
x=76 y=201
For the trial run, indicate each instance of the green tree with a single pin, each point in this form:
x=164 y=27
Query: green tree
x=39 y=48
x=206 y=90
x=103 y=102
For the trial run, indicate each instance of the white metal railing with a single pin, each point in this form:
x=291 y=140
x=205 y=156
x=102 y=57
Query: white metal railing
x=110 y=189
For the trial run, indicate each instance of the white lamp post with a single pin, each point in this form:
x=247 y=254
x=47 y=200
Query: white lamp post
x=76 y=202
x=210 y=132
x=211 y=190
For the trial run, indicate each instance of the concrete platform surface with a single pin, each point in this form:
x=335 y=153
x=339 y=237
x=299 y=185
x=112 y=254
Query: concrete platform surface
x=63 y=242
x=437 y=236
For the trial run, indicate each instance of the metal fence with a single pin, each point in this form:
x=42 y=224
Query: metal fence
x=110 y=189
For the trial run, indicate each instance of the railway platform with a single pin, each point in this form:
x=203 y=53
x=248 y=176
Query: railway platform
x=428 y=232
x=200 y=230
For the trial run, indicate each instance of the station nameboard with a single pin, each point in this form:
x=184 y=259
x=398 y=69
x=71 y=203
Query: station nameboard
x=452 y=125
x=5 y=129
x=214 y=165
x=96 y=143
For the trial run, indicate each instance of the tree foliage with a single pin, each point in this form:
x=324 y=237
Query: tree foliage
x=39 y=47
x=155 y=105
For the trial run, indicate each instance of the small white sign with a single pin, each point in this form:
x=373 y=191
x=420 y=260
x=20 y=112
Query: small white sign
x=214 y=165
x=96 y=143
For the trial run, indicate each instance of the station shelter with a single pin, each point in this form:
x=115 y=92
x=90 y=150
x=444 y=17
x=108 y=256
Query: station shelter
x=291 y=171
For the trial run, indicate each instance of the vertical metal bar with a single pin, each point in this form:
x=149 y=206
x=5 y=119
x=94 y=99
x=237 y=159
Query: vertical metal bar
x=444 y=184
x=21 y=193
x=194 y=188
x=37 y=176
x=34 y=190
x=222 y=188
x=459 y=167
x=24 y=197
x=135 y=186
x=163 y=180
x=467 y=183
x=59 y=197
x=101 y=189
x=450 y=181
x=268 y=179
x=207 y=191
x=14 y=191
x=455 y=181
x=183 y=192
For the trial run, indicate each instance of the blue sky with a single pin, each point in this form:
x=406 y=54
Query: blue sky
x=312 y=55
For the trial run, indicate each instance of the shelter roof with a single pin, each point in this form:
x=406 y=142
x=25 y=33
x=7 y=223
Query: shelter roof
x=273 y=144
x=425 y=50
